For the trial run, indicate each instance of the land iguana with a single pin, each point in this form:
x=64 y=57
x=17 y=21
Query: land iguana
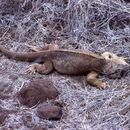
x=71 y=62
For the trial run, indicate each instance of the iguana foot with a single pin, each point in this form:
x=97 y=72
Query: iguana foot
x=47 y=47
x=92 y=80
x=45 y=68
x=101 y=85
x=31 y=69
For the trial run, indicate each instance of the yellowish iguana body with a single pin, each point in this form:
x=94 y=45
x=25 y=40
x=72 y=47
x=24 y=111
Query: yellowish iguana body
x=71 y=62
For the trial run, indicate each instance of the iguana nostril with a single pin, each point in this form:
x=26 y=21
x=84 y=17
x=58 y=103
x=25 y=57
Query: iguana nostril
x=110 y=56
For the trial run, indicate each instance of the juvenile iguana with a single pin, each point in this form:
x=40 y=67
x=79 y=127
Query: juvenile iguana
x=71 y=62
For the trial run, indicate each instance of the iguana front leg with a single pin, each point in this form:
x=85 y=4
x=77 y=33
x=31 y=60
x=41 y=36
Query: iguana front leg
x=45 y=68
x=92 y=80
x=47 y=47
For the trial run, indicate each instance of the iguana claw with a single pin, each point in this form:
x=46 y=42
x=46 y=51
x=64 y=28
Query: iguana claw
x=31 y=69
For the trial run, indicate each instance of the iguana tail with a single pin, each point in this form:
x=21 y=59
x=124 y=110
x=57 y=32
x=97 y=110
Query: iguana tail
x=30 y=57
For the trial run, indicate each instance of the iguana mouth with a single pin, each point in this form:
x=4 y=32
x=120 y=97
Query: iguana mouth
x=119 y=73
x=126 y=71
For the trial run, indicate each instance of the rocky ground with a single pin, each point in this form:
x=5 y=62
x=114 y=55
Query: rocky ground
x=57 y=102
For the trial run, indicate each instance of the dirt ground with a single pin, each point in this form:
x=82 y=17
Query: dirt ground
x=96 y=25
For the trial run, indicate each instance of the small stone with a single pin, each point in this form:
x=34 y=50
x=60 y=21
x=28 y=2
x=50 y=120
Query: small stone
x=4 y=85
x=37 y=91
x=5 y=90
x=49 y=112
x=4 y=96
x=27 y=119
x=13 y=77
x=3 y=115
x=39 y=128
x=127 y=1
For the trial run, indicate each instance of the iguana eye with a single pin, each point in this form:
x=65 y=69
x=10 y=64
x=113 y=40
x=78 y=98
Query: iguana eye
x=109 y=56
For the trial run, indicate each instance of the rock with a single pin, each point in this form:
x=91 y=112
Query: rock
x=38 y=90
x=5 y=89
x=49 y=112
x=4 y=86
x=3 y=115
x=13 y=77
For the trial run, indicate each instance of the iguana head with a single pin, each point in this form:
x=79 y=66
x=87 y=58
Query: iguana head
x=115 y=66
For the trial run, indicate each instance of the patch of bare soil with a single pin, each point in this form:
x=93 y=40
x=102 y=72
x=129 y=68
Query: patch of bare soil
x=96 y=25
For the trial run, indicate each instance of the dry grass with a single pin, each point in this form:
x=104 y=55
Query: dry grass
x=97 y=25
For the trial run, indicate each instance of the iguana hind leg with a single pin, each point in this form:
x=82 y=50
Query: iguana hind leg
x=47 y=47
x=92 y=80
x=45 y=68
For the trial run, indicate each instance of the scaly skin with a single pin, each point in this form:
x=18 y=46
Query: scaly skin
x=70 y=62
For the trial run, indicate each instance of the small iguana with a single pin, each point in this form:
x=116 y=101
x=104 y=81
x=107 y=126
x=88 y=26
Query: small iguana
x=71 y=62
